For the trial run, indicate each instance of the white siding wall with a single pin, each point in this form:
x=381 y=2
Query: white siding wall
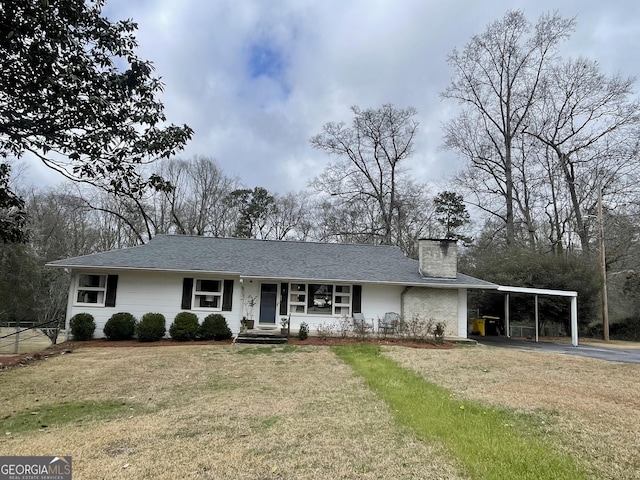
x=143 y=292
x=250 y=288
x=376 y=301
x=380 y=299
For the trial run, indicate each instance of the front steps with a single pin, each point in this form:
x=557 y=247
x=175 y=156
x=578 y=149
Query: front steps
x=262 y=336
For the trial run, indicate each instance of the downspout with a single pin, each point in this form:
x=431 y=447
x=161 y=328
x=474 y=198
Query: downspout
x=404 y=292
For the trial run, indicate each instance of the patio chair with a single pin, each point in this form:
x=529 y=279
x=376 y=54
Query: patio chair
x=360 y=324
x=390 y=323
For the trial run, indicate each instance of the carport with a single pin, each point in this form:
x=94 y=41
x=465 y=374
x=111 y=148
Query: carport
x=537 y=292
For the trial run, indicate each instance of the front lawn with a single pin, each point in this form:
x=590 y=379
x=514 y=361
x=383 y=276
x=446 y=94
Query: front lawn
x=237 y=411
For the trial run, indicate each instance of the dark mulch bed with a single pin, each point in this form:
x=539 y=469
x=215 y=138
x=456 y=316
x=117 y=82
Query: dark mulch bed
x=69 y=346
x=389 y=341
x=25 y=358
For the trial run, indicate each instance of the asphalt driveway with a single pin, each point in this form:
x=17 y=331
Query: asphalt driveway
x=625 y=355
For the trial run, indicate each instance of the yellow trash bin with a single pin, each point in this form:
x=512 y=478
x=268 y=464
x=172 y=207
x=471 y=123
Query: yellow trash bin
x=477 y=326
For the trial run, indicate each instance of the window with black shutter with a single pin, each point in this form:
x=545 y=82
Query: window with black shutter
x=112 y=287
x=227 y=296
x=187 y=291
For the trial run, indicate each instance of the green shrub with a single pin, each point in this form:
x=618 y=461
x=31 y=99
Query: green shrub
x=82 y=326
x=627 y=329
x=303 y=331
x=214 y=327
x=151 y=328
x=184 y=327
x=121 y=326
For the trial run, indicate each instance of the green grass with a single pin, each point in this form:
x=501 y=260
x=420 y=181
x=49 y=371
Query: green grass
x=48 y=416
x=489 y=444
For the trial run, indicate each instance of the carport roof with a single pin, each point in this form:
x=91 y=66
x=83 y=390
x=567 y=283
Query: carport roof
x=538 y=291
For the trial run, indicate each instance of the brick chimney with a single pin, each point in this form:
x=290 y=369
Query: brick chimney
x=438 y=258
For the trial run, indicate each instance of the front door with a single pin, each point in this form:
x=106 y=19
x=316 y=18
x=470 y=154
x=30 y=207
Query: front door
x=268 y=303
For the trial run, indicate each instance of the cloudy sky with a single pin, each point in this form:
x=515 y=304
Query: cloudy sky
x=256 y=79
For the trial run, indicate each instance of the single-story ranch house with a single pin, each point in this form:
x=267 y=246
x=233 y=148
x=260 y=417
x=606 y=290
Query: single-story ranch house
x=264 y=280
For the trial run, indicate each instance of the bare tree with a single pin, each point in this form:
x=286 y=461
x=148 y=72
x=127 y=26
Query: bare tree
x=62 y=224
x=196 y=203
x=496 y=79
x=367 y=175
x=291 y=217
x=591 y=122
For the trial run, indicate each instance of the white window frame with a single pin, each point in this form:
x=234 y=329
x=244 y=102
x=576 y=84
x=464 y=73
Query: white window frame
x=342 y=305
x=102 y=288
x=207 y=293
x=294 y=306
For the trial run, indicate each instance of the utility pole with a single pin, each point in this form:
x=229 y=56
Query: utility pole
x=603 y=269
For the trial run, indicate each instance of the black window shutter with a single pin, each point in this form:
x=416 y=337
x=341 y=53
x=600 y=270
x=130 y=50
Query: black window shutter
x=284 y=298
x=311 y=290
x=227 y=296
x=356 y=299
x=112 y=287
x=187 y=290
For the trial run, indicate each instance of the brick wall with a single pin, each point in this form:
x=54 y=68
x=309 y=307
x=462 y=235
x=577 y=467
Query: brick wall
x=438 y=258
x=439 y=304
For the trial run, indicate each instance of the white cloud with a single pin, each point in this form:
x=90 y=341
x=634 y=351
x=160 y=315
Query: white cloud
x=332 y=55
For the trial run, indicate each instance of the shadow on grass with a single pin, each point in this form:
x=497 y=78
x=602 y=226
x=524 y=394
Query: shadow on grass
x=48 y=416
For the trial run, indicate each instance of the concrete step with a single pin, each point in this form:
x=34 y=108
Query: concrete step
x=260 y=336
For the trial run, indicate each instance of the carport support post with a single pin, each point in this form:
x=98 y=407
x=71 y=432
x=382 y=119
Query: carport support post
x=574 y=321
x=507 y=326
x=537 y=319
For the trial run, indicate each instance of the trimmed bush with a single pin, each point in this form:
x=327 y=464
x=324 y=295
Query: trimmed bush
x=82 y=326
x=303 y=331
x=214 y=327
x=151 y=328
x=185 y=327
x=121 y=326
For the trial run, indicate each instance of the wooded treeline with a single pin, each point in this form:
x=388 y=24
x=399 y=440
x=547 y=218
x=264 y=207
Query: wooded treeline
x=547 y=140
x=71 y=220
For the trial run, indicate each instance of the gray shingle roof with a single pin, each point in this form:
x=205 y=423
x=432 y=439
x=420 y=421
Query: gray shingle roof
x=270 y=259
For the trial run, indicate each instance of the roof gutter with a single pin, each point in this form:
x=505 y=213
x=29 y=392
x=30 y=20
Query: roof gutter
x=280 y=278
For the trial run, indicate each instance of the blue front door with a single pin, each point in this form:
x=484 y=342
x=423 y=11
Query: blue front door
x=268 y=303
